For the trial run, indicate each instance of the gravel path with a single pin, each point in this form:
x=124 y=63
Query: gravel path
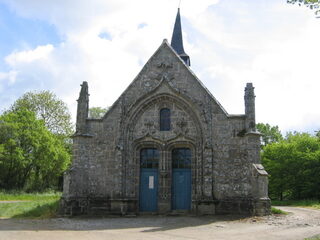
x=299 y=224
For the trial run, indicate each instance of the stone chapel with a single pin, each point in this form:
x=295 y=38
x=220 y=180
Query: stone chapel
x=166 y=146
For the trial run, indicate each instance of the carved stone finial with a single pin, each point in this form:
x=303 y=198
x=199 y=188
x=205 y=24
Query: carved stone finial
x=249 y=101
x=82 y=110
x=249 y=91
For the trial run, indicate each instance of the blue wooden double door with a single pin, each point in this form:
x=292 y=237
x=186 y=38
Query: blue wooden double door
x=149 y=179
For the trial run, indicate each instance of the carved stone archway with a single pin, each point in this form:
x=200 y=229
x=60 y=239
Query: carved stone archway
x=179 y=137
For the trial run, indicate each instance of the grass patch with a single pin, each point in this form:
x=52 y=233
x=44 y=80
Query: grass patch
x=313 y=238
x=32 y=205
x=277 y=211
x=22 y=196
x=298 y=203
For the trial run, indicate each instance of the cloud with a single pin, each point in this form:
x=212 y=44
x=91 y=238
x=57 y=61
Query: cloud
x=41 y=52
x=230 y=43
x=276 y=50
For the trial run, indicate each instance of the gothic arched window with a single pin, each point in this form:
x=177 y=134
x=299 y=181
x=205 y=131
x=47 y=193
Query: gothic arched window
x=165 y=121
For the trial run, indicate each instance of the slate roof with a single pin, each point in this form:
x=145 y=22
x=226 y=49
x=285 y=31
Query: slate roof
x=177 y=41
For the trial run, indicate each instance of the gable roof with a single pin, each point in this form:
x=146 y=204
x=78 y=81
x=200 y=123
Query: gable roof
x=165 y=44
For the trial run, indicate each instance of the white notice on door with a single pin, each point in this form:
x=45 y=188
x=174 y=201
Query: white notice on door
x=151 y=182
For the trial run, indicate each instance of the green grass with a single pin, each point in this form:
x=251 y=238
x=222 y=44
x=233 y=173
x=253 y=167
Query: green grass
x=32 y=205
x=298 y=203
x=277 y=211
x=16 y=195
x=313 y=238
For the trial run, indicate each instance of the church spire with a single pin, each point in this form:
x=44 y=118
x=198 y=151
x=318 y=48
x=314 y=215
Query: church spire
x=177 y=42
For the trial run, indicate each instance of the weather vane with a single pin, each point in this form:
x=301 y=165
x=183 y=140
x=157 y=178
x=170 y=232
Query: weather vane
x=179 y=3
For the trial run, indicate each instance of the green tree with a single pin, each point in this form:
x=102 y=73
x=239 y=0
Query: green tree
x=48 y=108
x=294 y=167
x=269 y=133
x=312 y=4
x=97 y=112
x=274 y=157
x=31 y=157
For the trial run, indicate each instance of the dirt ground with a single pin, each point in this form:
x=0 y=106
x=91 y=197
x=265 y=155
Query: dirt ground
x=299 y=224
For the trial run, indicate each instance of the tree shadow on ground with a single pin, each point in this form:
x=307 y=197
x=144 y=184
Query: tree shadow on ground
x=40 y=210
x=146 y=223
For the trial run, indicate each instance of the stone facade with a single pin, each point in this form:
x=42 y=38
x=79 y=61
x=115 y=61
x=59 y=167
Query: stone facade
x=226 y=173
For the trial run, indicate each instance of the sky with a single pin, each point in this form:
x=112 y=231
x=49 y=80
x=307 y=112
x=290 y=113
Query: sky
x=57 y=44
